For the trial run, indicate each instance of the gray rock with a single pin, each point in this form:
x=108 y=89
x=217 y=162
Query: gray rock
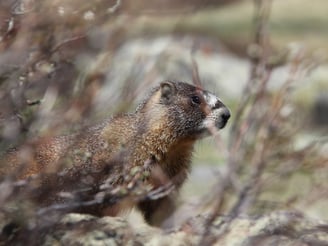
x=277 y=228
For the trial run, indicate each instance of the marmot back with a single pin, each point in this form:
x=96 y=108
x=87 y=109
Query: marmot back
x=162 y=131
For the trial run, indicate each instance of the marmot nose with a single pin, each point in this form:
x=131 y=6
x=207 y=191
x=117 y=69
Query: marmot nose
x=226 y=115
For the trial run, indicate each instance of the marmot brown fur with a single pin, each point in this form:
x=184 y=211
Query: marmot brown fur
x=162 y=131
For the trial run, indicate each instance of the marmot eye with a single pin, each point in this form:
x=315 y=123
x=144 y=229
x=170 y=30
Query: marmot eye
x=195 y=99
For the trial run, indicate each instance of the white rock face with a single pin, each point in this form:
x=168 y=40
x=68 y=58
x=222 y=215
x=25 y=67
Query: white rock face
x=149 y=61
x=144 y=62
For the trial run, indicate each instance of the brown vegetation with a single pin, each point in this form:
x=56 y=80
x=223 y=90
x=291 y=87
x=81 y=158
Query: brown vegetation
x=49 y=87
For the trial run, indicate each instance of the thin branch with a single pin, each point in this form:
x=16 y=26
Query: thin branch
x=67 y=41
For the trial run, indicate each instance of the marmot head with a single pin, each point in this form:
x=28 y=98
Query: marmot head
x=186 y=109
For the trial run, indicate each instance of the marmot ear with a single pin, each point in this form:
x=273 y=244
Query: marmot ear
x=168 y=90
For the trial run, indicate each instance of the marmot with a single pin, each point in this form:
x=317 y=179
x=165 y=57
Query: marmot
x=162 y=130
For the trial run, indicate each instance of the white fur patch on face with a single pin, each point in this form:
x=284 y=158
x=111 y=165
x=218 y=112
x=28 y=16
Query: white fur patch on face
x=213 y=120
x=211 y=99
x=216 y=118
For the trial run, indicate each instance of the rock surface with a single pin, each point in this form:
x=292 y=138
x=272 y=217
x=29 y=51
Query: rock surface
x=278 y=228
